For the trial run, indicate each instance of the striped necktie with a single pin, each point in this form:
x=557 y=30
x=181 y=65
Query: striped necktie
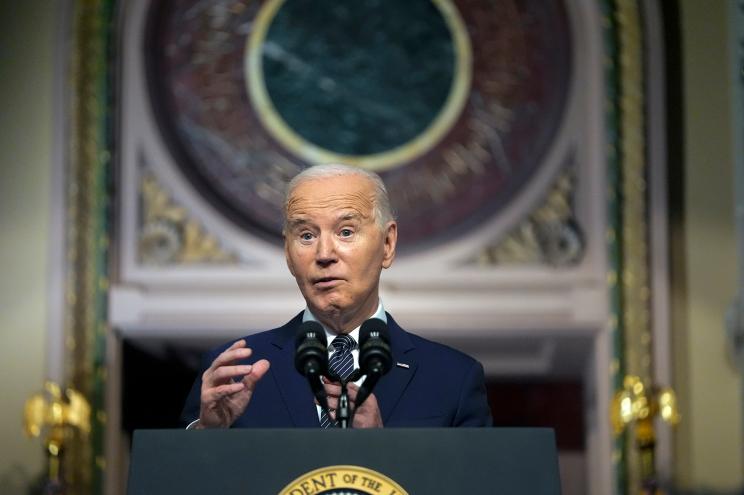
x=340 y=363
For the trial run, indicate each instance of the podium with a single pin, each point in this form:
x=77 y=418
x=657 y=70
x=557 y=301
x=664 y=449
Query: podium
x=394 y=461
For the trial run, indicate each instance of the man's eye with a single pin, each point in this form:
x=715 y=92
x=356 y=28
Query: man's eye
x=346 y=232
x=306 y=236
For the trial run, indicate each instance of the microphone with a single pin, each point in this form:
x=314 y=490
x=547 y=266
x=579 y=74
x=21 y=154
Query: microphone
x=311 y=357
x=375 y=358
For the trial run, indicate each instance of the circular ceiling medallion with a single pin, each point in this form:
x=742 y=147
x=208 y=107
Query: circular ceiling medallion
x=454 y=102
x=378 y=108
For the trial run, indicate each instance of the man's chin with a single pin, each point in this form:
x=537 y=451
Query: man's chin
x=328 y=309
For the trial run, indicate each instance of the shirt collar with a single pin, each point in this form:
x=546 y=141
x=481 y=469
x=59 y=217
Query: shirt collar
x=307 y=315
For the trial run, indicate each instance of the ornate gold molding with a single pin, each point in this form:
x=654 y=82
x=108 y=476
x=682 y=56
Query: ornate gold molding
x=635 y=276
x=87 y=241
x=632 y=229
x=169 y=236
x=549 y=235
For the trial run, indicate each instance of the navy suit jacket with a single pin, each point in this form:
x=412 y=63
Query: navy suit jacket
x=439 y=387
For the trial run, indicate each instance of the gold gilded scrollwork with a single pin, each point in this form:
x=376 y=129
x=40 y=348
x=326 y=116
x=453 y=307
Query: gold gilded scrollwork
x=550 y=235
x=168 y=235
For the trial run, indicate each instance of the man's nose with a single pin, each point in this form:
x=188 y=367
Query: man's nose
x=326 y=250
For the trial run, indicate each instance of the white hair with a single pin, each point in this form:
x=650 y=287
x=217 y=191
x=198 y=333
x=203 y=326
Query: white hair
x=382 y=210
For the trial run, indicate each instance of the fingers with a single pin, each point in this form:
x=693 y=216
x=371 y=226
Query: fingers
x=223 y=368
x=225 y=373
x=257 y=371
x=352 y=390
x=332 y=389
x=367 y=416
x=228 y=384
x=226 y=390
x=211 y=411
x=332 y=403
x=333 y=392
x=219 y=380
x=251 y=374
x=233 y=353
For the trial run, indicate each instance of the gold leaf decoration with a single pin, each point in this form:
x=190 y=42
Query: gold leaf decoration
x=550 y=235
x=169 y=236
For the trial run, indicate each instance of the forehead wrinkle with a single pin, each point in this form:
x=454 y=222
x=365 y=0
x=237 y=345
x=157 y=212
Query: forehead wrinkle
x=297 y=222
x=362 y=204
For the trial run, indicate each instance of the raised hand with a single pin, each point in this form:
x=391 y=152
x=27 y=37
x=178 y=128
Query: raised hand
x=227 y=387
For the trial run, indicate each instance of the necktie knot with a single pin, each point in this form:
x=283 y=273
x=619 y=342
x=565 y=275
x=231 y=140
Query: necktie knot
x=341 y=361
x=343 y=343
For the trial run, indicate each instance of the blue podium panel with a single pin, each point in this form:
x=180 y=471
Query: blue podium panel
x=394 y=461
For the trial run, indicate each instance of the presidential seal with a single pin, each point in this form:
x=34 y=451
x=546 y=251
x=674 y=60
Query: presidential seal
x=343 y=480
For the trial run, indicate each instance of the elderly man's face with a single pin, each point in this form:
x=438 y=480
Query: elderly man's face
x=336 y=250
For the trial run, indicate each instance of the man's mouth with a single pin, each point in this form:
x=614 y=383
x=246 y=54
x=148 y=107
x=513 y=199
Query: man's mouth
x=326 y=282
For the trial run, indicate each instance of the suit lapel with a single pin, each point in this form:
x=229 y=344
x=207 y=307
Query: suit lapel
x=292 y=386
x=390 y=388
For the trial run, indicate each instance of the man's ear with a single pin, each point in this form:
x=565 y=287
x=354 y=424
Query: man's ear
x=391 y=240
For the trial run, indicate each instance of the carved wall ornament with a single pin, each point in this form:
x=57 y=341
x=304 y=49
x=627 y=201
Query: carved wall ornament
x=168 y=235
x=550 y=235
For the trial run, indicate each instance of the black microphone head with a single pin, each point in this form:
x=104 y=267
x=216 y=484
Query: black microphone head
x=310 y=330
x=375 y=356
x=311 y=354
x=374 y=328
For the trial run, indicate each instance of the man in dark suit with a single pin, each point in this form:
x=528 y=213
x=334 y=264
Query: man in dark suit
x=339 y=234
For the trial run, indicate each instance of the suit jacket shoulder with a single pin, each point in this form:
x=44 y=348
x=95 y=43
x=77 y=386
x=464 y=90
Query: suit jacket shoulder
x=440 y=386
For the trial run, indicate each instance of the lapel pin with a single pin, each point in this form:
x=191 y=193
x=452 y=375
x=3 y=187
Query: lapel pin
x=402 y=365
